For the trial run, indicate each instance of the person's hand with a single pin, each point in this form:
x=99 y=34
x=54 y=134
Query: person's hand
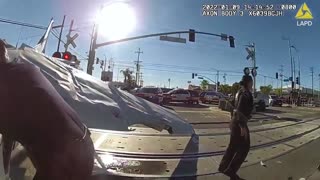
x=244 y=132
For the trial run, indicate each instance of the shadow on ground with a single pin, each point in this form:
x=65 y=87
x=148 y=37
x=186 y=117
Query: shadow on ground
x=273 y=111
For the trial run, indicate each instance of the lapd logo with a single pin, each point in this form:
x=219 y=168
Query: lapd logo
x=304 y=16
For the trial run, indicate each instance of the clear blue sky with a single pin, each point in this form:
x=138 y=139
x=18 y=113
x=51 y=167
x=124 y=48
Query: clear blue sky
x=163 y=60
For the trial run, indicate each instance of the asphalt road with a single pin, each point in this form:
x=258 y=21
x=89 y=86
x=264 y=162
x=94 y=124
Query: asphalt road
x=204 y=116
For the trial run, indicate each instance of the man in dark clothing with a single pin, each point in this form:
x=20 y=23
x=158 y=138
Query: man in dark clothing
x=239 y=144
x=34 y=114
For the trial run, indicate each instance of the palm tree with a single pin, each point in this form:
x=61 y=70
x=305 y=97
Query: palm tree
x=127 y=73
x=204 y=84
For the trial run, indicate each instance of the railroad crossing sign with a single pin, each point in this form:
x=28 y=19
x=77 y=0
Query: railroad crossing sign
x=250 y=53
x=246 y=71
x=70 y=40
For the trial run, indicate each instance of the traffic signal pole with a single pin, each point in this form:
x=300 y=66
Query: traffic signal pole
x=94 y=44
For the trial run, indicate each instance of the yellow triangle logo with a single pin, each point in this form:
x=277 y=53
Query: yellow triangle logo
x=304 y=12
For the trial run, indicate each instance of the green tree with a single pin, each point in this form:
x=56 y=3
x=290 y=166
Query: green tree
x=235 y=88
x=204 y=84
x=277 y=91
x=128 y=79
x=266 y=89
x=225 y=89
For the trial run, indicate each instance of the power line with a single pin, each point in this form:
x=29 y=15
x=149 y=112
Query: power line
x=8 y=21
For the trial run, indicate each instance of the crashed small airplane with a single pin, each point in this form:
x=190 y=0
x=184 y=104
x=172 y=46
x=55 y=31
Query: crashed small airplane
x=101 y=106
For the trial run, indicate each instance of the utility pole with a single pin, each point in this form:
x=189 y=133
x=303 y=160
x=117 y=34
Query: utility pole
x=224 y=78
x=291 y=62
x=294 y=73
x=217 y=81
x=312 y=79
x=254 y=67
x=118 y=74
x=138 y=66
x=140 y=79
x=281 y=79
x=251 y=49
x=58 y=49
x=319 y=88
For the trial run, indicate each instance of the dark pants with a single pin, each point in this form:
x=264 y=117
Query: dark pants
x=76 y=163
x=236 y=152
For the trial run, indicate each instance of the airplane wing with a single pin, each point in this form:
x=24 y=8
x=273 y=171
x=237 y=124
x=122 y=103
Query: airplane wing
x=41 y=46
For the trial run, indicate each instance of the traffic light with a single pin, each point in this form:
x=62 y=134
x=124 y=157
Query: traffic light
x=218 y=84
x=231 y=40
x=192 y=35
x=97 y=62
x=277 y=75
x=192 y=75
x=57 y=55
x=67 y=56
x=297 y=80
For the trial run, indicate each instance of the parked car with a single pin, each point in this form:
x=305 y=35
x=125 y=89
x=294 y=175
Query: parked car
x=194 y=97
x=211 y=97
x=275 y=101
x=152 y=94
x=166 y=90
x=134 y=91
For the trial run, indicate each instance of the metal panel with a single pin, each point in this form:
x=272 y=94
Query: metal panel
x=180 y=167
x=157 y=167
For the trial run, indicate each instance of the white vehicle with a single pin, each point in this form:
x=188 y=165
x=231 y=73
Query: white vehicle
x=211 y=97
x=179 y=95
x=264 y=97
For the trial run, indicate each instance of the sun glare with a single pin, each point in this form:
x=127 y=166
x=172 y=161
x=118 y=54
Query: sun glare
x=116 y=21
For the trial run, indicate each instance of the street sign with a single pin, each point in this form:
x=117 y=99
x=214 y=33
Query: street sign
x=224 y=37
x=286 y=80
x=250 y=53
x=189 y=82
x=173 y=39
